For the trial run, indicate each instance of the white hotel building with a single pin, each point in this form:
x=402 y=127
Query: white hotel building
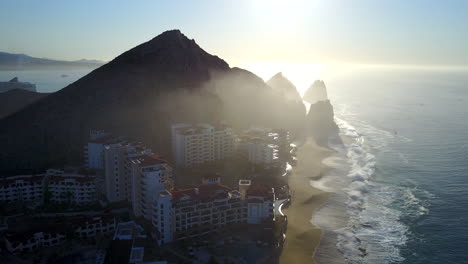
x=117 y=169
x=151 y=174
x=201 y=143
x=27 y=188
x=73 y=186
x=76 y=187
x=189 y=213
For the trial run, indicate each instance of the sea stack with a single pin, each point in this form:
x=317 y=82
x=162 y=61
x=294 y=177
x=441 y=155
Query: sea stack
x=320 y=118
x=316 y=92
x=282 y=85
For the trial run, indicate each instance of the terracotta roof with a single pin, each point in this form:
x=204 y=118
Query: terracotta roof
x=26 y=178
x=150 y=160
x=260 y=190
x=92 y=219
x=202 y=192
x=77 y=178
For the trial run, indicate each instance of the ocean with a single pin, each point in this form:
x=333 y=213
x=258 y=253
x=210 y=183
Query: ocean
x=46 y=81
x=399 y=183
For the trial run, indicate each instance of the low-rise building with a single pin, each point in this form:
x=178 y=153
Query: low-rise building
x=26 y=188
x=30 y=240
x=74 y=187
x=90 y=226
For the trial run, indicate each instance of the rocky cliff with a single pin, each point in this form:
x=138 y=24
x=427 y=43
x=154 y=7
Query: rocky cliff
x=320 y=118
x=284 y=86
x=316 y=92
x=138 y=95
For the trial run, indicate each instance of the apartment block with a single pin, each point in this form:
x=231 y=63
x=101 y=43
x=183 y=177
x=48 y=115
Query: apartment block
x=201 y=143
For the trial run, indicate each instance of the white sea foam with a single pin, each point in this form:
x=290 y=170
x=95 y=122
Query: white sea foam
x=373 y=232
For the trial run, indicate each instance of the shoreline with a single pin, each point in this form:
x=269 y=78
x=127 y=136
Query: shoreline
x=302 y=236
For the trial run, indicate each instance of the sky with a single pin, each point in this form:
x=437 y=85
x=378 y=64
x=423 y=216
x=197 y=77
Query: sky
x=246 y=32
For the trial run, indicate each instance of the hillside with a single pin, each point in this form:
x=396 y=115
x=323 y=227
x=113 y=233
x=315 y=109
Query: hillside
x=16 y=99
x=139 y=94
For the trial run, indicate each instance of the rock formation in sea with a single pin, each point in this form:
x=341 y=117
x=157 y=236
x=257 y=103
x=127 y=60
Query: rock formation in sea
x=320 y=118
x=14 y=100
x=316 y=92
x=284 y=86
x=139 y=95
x=15 y=84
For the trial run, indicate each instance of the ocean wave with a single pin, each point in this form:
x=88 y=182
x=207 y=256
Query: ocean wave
x=373 y=233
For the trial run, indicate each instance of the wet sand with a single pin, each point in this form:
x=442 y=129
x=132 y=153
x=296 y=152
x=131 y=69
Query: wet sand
x=302 y=238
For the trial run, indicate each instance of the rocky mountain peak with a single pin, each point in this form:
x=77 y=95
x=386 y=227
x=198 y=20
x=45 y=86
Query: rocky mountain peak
x=284 y=86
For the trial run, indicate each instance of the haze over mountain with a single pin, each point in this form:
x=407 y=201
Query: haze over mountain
x=284 y=86
x=20 y=62
x=139 y=95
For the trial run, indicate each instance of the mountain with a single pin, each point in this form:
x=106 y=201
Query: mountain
x=16 y=99
x=284 y=86
x=20 y=62
x=139 y=95
x=316 y=92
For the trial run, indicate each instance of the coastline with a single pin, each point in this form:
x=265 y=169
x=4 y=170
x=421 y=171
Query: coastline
x=302 y=237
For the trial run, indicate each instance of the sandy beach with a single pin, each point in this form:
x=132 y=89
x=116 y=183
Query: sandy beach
x=302 y=237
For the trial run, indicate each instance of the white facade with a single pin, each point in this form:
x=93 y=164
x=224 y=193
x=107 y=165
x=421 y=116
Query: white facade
x=162 y=219
x=62 y=186
x=72 y=188
x=94 y=149
x=117 y=169
x=90 y=226
x=260 y=204
x=201 y=143
x=194 y=212
x=150 y=175
x=260 y=152
x=32 y=240
x=27 y=188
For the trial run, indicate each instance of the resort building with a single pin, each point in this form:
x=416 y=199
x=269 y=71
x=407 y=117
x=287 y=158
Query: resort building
x=94 y=149
x=26 y=188
x=117 y=169
x=74 y=187
x=55 y=234
x=258 y=151
x=190 y=213
x=151 y=174
x=201 y=143
x=90 y=226
x=30 y=240
x=260 y=204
